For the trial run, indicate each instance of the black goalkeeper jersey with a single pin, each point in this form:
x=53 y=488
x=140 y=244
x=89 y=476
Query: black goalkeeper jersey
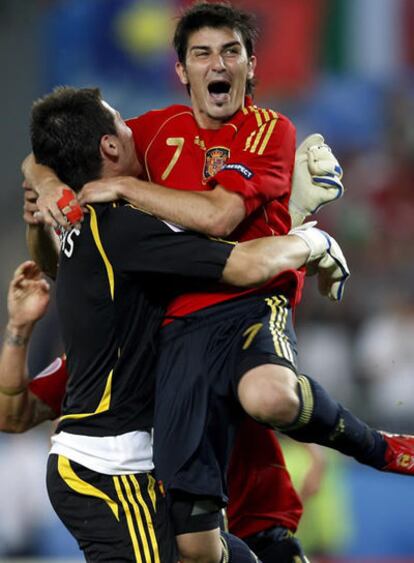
x=114 y=279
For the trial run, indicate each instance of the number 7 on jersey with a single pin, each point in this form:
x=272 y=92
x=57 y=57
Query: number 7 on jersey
x=173 y=142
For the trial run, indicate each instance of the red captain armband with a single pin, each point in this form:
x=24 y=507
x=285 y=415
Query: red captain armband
x=75 y=213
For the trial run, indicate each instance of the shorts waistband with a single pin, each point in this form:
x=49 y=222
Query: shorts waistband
x=221 y=311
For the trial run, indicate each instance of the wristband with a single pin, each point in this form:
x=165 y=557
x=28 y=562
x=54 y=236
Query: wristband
x=75 y=214
x=12 y=392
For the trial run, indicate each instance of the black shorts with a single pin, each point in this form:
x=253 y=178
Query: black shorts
x=120 y=518
x=202 y=358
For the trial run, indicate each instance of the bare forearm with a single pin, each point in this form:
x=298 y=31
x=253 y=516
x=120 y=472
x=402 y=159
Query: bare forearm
x=20 y=413
x=43 y=249
x=38 y=175
x=13 y=377
x=254 y=262
x=215 y=213
x=19 y=408
x=13 y=357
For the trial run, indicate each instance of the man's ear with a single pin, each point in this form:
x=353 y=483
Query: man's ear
x=251 y=67
x=109 y=146
x=181 y=72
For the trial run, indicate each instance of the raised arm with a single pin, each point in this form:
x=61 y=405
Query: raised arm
x=316 y=182
x=41 y=239
x=57 y=203
x=28 y=299
x=215 y=213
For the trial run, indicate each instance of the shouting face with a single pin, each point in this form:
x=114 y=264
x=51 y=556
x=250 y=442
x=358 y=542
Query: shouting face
x=216 y=70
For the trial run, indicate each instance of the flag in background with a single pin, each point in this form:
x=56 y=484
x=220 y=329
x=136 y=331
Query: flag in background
x=130 y=41
x=288 y=50
x=124 y=41
x=329 y=64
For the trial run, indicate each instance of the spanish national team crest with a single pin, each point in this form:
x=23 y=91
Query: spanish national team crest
x=216 y=158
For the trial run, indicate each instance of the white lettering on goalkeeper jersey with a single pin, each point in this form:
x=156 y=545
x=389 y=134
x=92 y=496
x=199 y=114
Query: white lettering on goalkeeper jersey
x=67 y=244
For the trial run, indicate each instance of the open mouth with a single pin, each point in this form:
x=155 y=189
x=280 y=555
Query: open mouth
x=219 y=90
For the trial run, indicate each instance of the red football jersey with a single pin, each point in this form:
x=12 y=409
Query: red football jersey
x=252 y=155
x=261 y=494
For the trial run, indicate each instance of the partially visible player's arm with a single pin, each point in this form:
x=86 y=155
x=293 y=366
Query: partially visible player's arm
x=41 y=240
x=28 y=298
x=254 y=262
x=42 y=245
x=253 y=176
x=215 y=213
x=57 y=203
x=316 y=179
x=314 y=476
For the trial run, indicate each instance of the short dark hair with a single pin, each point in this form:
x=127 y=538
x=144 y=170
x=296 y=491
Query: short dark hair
x=215 y=15
x=66 y=130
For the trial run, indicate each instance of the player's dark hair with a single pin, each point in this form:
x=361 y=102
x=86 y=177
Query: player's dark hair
x=215 y=15
x=66 y=130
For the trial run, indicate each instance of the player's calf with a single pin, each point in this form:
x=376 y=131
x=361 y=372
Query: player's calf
x=196 y=521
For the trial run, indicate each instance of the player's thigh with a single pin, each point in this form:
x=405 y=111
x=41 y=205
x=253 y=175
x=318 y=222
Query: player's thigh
x=113 y=518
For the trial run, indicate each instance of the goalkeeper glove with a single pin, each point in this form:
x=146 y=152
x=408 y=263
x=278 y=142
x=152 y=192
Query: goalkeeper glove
x=317 y=240
x=316 y=178
x=332 y=271
x=326 y=259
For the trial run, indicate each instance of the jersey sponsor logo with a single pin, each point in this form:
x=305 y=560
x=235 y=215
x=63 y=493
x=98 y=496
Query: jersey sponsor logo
x=243 y=170
x=67 y=244
x=215 y=159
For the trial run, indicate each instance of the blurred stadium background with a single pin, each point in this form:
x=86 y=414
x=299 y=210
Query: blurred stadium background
x=340 y=67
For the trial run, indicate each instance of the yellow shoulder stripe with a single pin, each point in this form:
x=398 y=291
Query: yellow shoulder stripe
x=267 y=136
x=258 y=139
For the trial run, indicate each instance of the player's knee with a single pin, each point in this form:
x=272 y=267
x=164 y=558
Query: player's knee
x=270 y=395
x=277 y=409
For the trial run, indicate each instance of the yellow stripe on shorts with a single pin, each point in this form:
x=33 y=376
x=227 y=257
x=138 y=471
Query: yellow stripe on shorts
x=130 y=522
x=82 y=487
x=277 y=326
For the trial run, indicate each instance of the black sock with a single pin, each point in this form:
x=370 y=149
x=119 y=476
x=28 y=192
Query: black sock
x=236 y=551
x=276 y=544
x=324 y=421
